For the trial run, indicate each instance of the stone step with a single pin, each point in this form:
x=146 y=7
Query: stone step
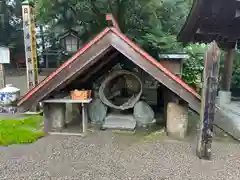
x=228 y=119
x=120 y=122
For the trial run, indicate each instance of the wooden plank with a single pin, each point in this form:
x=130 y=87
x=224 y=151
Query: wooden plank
x=112 y=21
x=76 y=67
x=84 y=70
x=88 y=56
x=209 y=93
x=64 y=65
x=67 y=101
x=228 y=69
x=84 y=119
x=47 y=119
x=66 y=134
x=100 y=66
x=155 y=72
x=156 y=63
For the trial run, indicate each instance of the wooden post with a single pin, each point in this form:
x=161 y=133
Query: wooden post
x=30 y=44
x=209 y=93
x=227 y=71
x=85 y=119
x=112 y=21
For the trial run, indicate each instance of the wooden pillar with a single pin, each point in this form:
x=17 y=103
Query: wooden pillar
x=228 y=68
x=2 y=76
x=84 y=119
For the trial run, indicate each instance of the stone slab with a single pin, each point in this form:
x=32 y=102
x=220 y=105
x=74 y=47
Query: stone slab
x=117 y=121
x=67 y=101
x=228 y=118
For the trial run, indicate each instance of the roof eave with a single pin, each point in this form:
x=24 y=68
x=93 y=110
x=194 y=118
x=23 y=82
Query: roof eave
x=187 y=33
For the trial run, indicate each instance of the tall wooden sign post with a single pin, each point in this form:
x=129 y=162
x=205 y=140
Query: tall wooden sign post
x=209 y=93
x=30 y=44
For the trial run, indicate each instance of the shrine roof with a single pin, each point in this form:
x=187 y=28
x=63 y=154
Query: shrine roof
x=210 y=20
x=93 y=54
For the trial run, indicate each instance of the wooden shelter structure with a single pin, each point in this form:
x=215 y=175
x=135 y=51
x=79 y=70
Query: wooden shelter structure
x=215 y=20
x=99 y=54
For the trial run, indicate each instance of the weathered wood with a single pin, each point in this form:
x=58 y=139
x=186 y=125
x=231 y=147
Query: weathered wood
x=47 y=118
x=84 y=119
x=155 y=72
x=85 y=69
x=95 y=50
x=66 y=134
x=76 y=67
x=112 y=21
x=100 y=66
x=228 y=69
x=209 y=93
x=212 y=20
x=57 y=101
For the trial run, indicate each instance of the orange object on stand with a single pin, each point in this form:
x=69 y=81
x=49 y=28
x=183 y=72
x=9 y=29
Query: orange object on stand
x=81 y=95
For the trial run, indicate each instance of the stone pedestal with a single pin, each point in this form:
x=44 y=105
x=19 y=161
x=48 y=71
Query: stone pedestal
x=177 y=120
x=73 y=113
x=54 y=116
x=224 y=98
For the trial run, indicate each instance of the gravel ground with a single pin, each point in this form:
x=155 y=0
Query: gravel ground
x=108 y=156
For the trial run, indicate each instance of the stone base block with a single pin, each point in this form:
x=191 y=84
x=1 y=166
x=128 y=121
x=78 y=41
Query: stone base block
x=177 y=120
x=54 y=117
x=73 y=113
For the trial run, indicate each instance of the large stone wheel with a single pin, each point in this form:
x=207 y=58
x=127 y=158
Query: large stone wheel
x=121 y=90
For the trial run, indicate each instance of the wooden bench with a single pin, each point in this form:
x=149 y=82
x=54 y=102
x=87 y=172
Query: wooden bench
x=54 y=111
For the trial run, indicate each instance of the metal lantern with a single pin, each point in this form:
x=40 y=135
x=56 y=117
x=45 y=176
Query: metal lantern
x=70 y=41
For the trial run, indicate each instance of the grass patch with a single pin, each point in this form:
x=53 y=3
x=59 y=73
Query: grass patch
x=20 y=131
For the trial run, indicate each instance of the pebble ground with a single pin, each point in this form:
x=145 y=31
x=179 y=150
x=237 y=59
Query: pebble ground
x=107 y=156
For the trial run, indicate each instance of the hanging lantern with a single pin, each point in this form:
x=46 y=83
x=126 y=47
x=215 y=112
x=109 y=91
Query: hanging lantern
x=70 y=41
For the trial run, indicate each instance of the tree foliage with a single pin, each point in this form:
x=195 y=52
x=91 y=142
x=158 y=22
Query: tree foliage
x=153 y=24
x=193 y=66
x=11 y=24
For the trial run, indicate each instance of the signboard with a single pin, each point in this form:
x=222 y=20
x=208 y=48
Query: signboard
x=209 y=94
x=30 y=45
x=4 y=55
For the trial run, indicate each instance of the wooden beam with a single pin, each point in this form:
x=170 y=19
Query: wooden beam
x=99 y=67
x=155 y=72
x=77 y=66
x=112 y=21
x=84 y=70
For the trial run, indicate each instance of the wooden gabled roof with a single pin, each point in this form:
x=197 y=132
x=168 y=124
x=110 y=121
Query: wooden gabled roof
x=92 y=52
x=213 y=20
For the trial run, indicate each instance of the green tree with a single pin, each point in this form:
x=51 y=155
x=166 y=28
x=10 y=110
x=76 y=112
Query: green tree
x=153 y=24
x=11 y=25
x=194 y=65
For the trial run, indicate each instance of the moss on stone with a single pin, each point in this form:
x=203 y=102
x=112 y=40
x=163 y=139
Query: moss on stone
x=18 y=131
